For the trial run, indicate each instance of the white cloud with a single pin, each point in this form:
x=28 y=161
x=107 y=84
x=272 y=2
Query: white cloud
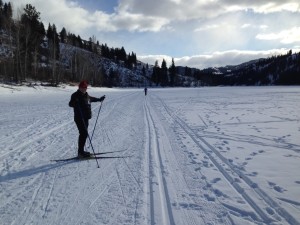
x=197 y=9
x=138 y=22
x=286 y=36
x=71 y=15
x=62 y=13
x=261 y=6
x=207 y=27
x=144 y=15
x=270 y=7
x=248 y=25
x=178 y=27
x=125 y=21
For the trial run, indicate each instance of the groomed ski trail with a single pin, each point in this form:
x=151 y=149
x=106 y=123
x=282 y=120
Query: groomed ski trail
x=171 y=198
x=160 y=209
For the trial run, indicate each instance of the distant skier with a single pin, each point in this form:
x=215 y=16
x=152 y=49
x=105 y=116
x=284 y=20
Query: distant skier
x=145 y=89
x=81 y=102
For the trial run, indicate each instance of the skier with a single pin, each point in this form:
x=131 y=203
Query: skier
x=81 y=102
x=145 y=89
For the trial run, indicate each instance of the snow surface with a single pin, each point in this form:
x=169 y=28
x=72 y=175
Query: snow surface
x=222 y=155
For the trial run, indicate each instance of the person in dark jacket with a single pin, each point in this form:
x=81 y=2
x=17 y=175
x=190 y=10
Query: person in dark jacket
x=81 y=103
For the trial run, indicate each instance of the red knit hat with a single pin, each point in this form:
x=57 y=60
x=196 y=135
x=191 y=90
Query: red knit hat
x=83 y=84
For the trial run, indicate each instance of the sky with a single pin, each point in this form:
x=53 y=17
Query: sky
x=196 y=33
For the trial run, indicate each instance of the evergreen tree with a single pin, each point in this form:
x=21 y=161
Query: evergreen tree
x=5 y=14
x=72 y=39
x=90 y=45
x=155 y=74
x=56 y=42
x=104 y=51
x=122 y=54
x=1 y=15
x=49 y=32
x=79 y=41
x=164 y=73
x=131 y=60
x=7 y=10
x=172 y=71
x=188 y=72
x=54 y=51
x=63 y=35
x=53 y=41
x=31 y=36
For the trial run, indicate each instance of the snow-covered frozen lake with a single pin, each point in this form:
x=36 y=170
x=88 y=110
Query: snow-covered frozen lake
x=215 y=155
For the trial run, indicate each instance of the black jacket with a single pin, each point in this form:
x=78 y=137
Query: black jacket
x=82 y=105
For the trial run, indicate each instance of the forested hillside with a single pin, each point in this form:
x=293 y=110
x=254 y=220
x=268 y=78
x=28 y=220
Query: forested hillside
x=275 y=70
x=31 y=52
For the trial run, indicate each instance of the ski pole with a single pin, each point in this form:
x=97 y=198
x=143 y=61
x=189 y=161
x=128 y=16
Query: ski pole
x=96 y=121
x=87 y=132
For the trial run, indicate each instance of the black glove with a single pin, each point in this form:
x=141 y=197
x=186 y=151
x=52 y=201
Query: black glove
x=102 y=98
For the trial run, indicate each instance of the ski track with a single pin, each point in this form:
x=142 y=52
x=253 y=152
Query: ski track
x=159 y=198
x=262 y=204
x=162 y=182
x=168 y=187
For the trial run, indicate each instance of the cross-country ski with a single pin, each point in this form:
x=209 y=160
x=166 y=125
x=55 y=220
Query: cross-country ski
x=89 y=158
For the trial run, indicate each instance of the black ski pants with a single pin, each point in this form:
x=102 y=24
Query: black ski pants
x=82 y=126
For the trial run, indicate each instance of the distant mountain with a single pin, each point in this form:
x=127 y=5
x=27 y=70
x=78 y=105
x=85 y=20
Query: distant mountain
x=275 y=70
